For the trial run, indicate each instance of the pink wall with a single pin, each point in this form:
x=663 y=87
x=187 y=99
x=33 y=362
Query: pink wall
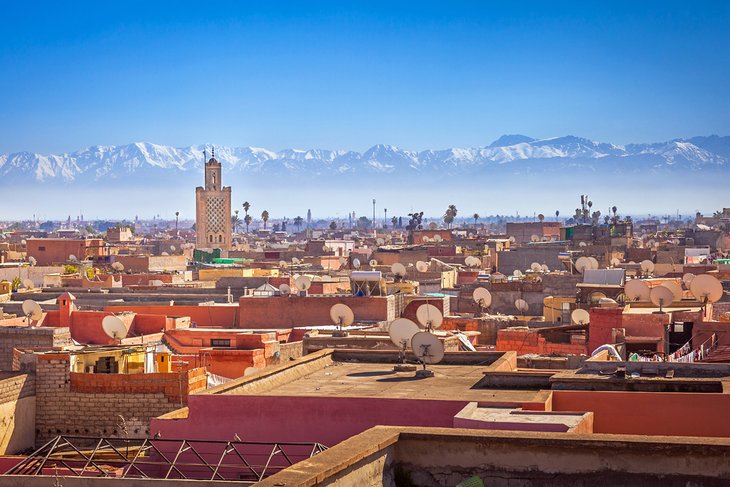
x=327 y=420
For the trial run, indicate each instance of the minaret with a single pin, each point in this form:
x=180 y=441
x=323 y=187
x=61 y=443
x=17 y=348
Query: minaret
x=213 y=208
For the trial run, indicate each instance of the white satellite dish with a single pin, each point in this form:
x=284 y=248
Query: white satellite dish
x=582 y=264
x=535 y=267
x=521 y=305
x=676 y=290
x=283 y=264
x=427 y=348
x=637 y=290
x=32 y=310
x=582 y=244
x=687 y=279
x=544 y=268
x=647 y=266
x=517 y=273
x=373 y=262
x=284 y=289
x=706 y=288
x=72 y=258
x=356 y=263
x=250 y=371
x=114 y=327
x=342 y=261
x=398 y=269
x=164 y=254
x=615 y=262
x=28 y=283
x=482 y=297
x=661 y=296
x=173 y=248
x=429 y=316
x=438 y=238
x=535 y=238
x=156 y=283
x=341 y=315
x=118 y=266
x=421 y=266
x=580 y=316
x=380 y=241
x=32 y=260
x=425 y=239
x=302 y=283
x=512 y=239
x=401 y=331
x=594 y=263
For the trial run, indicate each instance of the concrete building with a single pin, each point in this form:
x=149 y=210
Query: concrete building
x=213 y=209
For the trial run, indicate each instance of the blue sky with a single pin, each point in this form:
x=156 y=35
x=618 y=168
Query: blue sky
x=349 y=75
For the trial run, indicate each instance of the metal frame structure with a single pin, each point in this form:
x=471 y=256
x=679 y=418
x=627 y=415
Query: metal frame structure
x=156 y=458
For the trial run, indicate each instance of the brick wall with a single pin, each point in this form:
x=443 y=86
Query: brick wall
x=17 y=413
x=12 y=337
x=524 y=342
x=16 y=387
x=91 y=404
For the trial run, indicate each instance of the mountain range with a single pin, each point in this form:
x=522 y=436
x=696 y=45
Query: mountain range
x=510 y=155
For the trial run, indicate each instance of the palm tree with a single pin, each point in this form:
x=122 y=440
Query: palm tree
x=450 y=215
x=235 y=221
x=557 y=215
x=265 y=217
x=475 y=216
x=333 y=225
x=246 y=206
x=394 y=221
x=298 y=222
x=541 y=217
x=177 y=217
x=247 y=220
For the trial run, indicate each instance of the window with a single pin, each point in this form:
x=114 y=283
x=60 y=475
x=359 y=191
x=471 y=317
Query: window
x=210 y=238
x=220 y=238
x=219 y=342
x=42 y=248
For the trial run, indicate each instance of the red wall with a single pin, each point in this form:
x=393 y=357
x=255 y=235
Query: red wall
x=202 y=316
x=327 y=420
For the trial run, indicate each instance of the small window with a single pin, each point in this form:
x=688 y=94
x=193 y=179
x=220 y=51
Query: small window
x=42 y=248
x=210 y=238
x=220 y=238
x=219 y=342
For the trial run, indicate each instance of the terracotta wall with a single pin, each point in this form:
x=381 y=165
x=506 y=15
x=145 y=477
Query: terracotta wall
x=524 y=342
x=201 y=316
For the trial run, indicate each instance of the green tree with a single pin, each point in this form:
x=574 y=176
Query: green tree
x=450 y=215
x=333 y=225
x=265 y=217
x=247 y=221
x=475 y=216
x=394 y=221
x=235 y=221
x=298 y=222
x=364 y=223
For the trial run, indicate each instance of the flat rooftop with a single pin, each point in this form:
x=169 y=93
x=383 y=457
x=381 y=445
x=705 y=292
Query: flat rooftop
x=344 y=373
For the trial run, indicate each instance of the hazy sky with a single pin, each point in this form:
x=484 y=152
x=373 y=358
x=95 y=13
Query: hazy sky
x=349 y=75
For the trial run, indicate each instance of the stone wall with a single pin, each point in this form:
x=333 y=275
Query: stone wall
x=17 y=413
x=105 y=404
x=12 y=337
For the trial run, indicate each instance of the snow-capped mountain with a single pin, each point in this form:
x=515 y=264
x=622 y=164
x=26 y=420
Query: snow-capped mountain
x=510 y=154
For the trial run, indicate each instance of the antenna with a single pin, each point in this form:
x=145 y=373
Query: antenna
x=615 y=262
x=118 y=266
x=421 y=266
x=483 y=298
x=401 y=332
x=399 y=270
x=114 y=327
x=285 y=290
x=582 y=264
x=429 y=316
x=637 y=290
x=428 y=349
x=535 y=238
x=647 y=266
x=535 y=267
x=302 y=283
x=676 y=289
x=580 y=316
x=373 y=263
x=706 y=288
x=661 y=296
x=32 y=310
x=521 y=306
x=341 y=315
x=28 y=283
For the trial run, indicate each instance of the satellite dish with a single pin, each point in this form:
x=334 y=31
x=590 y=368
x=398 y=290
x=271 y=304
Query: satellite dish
x=283 y=264
x=398 y=269
x=295 y=261
x=582 y=264
x=517 y=273
x=173 y=248
x=250 y=371
x=438 y=238
x=615 y=262
x=285 y=289
x=401 y=331
x=72 y=258
x=427 y=348
x=164 y=254
x=521 y=305
x=421 y=266
x=28 y=283
x=425 y=239
x=341 y=315
x=342 y=261
x=156 y=283
x=580 y=316
x=687 y=279
x=676 y=290
x=661 y=296
x=356 y=263
x=114 y=327
x=594 y=263
x=429 y=316
x=373 y=262
x=302 y=283
x=706 y=288
x=118 y=266
x=512 y=239
x=582 y=244
x=535 y=267
x=535 y=238
x=32 y=310
x=32 y=260
x=650 y=243
x=380 y=241
x=482 y=297
x=637 y=290
x=647 y=266
x=544 y=268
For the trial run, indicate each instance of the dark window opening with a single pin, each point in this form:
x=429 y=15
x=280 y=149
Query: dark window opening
x=220 y=342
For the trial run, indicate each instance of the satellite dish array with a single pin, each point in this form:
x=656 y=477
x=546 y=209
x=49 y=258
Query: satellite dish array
x=426 y=346
x=705 y=288
x=586 y=263
x=473 y=261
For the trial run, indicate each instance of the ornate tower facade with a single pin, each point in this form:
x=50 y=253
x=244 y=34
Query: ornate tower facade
x=213 y=209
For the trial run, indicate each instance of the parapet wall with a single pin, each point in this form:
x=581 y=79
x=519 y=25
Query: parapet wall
x=12 y=337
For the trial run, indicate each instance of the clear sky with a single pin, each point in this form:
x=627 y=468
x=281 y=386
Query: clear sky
x=349 y=75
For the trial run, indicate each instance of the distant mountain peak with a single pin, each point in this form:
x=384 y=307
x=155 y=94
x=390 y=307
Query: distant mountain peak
x=513 y=139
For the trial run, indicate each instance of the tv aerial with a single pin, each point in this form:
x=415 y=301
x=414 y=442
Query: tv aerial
x=428 y=349
x=706 y=289
x=302 y=284
x=114 y=327
x=285 y=289
x=483 y=298
x=32 y=311
x=661 y=296
x=421 y=266
x=580 y=316
x=399 y=270
x=401 y=332
x=429 y=316
x=521 y=305
x=637 y=290
x=341 y=315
